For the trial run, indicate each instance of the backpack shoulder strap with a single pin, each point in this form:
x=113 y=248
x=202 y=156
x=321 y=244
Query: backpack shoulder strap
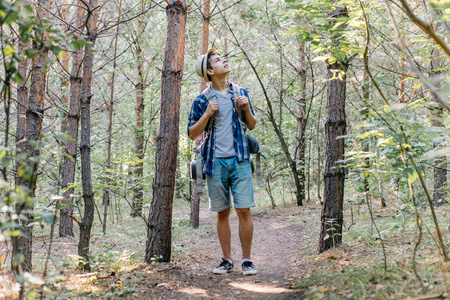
x=239 y=111
x=209 y=95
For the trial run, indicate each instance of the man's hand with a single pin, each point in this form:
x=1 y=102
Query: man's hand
x=213 y=106
x=242 y=101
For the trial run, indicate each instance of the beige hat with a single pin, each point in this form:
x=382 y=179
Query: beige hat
x=201 y=63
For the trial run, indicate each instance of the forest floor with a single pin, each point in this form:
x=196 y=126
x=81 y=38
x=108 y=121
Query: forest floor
x=284 y=251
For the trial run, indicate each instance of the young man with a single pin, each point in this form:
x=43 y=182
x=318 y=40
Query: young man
x=225 y=154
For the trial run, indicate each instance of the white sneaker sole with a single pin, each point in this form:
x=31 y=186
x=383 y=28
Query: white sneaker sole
x=252 y=272
x=222 y=271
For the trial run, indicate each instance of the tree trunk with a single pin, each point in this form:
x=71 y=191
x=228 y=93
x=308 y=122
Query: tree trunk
x=34 y=117
x=365 y=147
x=110 y=123
x=139 y=130
x=319 y=160
x=68 y=175
x=22 y=105
x=64 y=85
x=334 y=176
x=85 y=147
x=440 y=163
x=401 y=90
x=301 y=126
x=195 y=201
x=205 y=35
x=63 y=77
x=160 y=216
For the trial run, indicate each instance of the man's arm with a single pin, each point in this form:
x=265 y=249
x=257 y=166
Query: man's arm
x=196 y=130
x=250 y=118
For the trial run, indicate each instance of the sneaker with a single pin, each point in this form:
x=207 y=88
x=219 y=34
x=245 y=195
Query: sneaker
x=224 y=267
x=248 y=268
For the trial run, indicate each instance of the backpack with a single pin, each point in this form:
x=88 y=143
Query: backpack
x=254 y=147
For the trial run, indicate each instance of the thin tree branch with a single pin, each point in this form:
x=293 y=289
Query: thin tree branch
x=439 y=98
x=426 y=27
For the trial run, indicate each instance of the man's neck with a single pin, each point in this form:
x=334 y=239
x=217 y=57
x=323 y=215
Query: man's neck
x=220 y=84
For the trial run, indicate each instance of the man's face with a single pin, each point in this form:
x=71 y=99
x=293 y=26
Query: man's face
x=218 y=64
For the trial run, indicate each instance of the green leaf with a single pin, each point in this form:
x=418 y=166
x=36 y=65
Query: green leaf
x=29 y=53
x=442 y=4
x=78 y=44
x=4 y=159
x=320 y=58
x=56 y=50
x=9 y=50
x=11 y=18
x=332 y=59
x=13 y=233
x=411 y=174
x=49 y=218
x=29 y=8
x=21 y=171
x=292 y=31
x=18 y=77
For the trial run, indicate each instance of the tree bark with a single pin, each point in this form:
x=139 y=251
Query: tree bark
x=319 y=161
x=401 y=91
x=205 y=35
x=160 y=218
x=440 y=169
x=22 y=105
x=34 y=117
x=63 y=76
x=334 y=175
x=68 y=175
x=301 y=126
x=138 y=195
x=110 y=123
x=85 y=147
x=195 y=201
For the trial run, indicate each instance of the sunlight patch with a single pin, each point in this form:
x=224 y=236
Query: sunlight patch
x=195 y=291
x=259 y=288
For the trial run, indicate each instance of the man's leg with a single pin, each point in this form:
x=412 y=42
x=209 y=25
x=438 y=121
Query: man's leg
x=245 y=231
x=224 y=232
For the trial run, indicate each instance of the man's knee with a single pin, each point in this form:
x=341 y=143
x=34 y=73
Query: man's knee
x=224 y=214
x=243 y=213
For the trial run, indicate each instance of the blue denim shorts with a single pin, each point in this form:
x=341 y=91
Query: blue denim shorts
x=230 y=175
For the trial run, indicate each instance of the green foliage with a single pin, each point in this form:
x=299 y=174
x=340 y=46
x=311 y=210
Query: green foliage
x=315 y=24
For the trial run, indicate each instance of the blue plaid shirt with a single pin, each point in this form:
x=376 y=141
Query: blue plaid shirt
x=240 y=140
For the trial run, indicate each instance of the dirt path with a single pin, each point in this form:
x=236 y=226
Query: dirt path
x=276 y=244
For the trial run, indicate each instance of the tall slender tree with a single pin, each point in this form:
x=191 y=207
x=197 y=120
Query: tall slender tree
x=160 y=217
x=301 y=125
x=33 y=126
x=22 y=103
x=440 y=168
x=138 y=196
x=335 y=126
x=73 y=117
x=65 y=67
x=195 y=201
x=85 y=146
x=110 y=124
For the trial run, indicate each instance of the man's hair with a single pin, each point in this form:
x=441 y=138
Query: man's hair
x=208 y=64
